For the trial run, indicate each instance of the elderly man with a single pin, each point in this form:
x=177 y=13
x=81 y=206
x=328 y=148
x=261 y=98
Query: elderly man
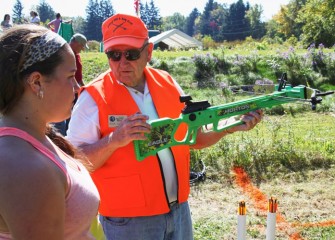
x=147 y=199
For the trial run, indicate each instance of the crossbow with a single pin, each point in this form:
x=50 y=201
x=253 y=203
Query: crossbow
x=201 y=113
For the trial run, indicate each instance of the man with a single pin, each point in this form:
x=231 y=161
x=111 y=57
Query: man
x=147 y=199
x=78 y=42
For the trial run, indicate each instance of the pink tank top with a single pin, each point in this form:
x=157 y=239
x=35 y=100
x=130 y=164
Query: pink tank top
x=82 y=199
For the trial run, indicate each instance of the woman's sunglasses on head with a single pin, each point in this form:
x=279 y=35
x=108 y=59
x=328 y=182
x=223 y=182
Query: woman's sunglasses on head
x=130 y=55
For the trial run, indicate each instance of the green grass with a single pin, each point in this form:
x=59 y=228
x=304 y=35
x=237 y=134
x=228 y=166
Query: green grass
x=317 y=233
x=94 y=63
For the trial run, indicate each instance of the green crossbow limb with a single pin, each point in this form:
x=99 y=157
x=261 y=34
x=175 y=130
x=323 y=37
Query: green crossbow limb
x=198 y=114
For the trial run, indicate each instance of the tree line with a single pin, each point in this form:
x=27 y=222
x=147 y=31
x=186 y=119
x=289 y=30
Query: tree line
x=306 y=21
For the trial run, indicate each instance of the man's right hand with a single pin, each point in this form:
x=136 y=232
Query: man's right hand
x=131 y=128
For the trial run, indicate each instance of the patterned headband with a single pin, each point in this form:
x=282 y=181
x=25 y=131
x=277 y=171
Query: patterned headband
x=42 y=48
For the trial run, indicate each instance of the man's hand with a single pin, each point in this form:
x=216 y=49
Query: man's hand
x=131 y=128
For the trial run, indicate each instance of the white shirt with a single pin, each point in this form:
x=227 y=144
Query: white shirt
x=35 y=19
x=84 y=128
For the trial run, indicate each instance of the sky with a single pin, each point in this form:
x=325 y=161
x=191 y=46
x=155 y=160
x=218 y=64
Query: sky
x=72 y=8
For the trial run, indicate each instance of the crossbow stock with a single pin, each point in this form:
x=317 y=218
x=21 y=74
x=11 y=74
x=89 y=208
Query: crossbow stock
x=201 y=113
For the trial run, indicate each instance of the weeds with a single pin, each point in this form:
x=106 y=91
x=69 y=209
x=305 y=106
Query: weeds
x=289 y=144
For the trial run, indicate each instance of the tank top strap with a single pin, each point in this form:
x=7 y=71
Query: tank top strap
x=9 y=131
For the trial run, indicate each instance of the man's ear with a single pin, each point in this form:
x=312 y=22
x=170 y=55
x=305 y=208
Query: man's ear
x=150 y=49
x=34 y=82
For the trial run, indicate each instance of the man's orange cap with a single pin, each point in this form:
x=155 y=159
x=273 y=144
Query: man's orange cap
x=122 y=29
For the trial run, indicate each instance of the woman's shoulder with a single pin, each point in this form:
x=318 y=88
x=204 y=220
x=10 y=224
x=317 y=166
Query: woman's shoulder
x=20 y=159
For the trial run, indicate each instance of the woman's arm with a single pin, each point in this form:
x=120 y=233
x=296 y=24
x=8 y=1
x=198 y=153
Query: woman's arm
x=32 y=192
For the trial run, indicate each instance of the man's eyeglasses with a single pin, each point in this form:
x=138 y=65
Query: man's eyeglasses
x=130 y=55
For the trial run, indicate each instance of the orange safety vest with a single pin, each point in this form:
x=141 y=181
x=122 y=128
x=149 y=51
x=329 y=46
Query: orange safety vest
x=127 y=187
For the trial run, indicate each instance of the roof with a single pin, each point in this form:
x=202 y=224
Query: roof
x=176 y=39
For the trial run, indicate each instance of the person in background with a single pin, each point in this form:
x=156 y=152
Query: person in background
x=34 y=18
x=5 y=24
x=46 y=191
x=54 y=24
x=140 y=200
x=78 y=42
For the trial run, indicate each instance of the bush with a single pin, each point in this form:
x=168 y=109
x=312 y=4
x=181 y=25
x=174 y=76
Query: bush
x=205 y=70
x=94 y=46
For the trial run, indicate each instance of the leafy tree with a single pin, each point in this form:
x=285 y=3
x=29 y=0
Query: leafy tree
x=17 y=12
x=317 y=18
x=144 y=12
x=206 y=18
x=190 y=22
x=105 y=9
x=155 y=20
x=238 y=27
x=176 y=21
x=150 y=15
x=218 y=22
x=272 y=32
x=45 y=11
x=287 y=19
x=92 y=29
x=257 y=27
x=97 y=13
x=78 y=24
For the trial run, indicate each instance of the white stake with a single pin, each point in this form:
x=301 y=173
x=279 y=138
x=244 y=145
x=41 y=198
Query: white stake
x=271 y=219
x=241 y=221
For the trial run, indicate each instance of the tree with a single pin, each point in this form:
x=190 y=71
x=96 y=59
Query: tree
x=155 y=20
x=144 y=12
x=272 y=32
x=150 y=15
x=93 y=26
x=176 y=21
x=97 y=13
x=205 y=18
x=45 y=11
x=78 y=24
x=287 y=19
x=317 y=18
x=105 y=9
x=218 y=22
x=17 y=12
x=190 y=22
x=238 y=27
x=257 y=26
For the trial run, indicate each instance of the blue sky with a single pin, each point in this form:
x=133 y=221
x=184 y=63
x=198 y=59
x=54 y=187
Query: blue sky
x=167 y=7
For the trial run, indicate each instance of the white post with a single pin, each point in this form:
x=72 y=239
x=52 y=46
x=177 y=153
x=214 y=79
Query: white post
x=241 y=221
x=271 y=219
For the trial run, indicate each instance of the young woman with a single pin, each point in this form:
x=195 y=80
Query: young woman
x=6 y=22
x=45 y=191
x=34 y=18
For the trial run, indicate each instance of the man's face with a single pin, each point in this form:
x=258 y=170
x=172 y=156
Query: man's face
x=130 y=72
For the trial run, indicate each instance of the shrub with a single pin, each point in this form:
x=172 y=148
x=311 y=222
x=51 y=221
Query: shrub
x=205 y=70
